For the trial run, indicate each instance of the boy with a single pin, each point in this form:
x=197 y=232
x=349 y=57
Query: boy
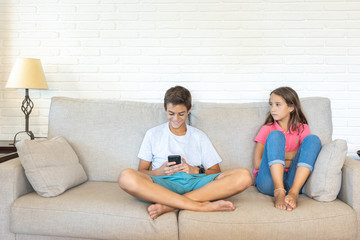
x=193 y=183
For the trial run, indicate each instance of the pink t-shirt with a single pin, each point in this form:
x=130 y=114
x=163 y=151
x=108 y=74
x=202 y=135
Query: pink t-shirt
x=292 y=142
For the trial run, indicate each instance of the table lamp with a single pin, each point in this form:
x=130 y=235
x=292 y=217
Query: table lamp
x=27 y=73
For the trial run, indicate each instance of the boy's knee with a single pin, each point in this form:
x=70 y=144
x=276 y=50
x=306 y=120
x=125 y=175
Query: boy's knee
x=247 y=177
x=126 y=177
x=243 y=178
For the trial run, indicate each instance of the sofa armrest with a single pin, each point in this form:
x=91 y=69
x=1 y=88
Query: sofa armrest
x=350 y=191
x=13 y=184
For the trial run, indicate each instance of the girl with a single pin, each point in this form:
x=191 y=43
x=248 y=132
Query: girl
x=285 y=151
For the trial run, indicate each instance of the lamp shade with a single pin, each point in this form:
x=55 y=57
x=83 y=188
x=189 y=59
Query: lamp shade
x=27 y=73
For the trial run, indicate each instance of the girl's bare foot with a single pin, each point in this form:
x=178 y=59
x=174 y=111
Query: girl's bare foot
x=291 y=199
x=279 y=195
x=157 y=209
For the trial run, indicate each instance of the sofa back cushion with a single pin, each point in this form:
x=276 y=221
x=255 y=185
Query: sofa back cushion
x=105 y=134
x=233 y=127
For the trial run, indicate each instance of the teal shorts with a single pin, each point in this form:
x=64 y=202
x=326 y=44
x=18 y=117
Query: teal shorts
x=182 y=183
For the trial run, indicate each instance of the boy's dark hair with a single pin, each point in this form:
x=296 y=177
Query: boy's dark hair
x=178 y=95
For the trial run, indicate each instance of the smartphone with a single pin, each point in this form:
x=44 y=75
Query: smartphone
x=174 y=158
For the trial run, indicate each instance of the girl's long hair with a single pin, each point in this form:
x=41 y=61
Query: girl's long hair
x=297 y=117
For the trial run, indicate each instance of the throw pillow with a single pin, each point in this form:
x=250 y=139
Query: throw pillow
x=51 y=166
x=324 y=182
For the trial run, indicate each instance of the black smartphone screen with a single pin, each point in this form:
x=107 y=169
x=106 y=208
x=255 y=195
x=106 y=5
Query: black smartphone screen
x=174 y=158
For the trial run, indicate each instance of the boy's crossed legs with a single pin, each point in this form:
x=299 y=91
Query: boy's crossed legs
x=225 y=185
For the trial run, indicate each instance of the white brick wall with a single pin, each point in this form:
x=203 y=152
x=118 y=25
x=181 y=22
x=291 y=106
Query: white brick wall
x=222 y=50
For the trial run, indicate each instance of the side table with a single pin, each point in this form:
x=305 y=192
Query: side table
x=7 y=150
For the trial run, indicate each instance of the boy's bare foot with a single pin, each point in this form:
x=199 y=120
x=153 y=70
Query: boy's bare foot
x=219 y=206
x=279 y=195
x=291 y=199
x=157 y=209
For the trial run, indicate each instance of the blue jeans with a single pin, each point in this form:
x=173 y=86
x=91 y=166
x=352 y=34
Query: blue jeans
x=274 y=152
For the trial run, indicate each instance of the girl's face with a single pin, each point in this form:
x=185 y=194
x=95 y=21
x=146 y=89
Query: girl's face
x=177 y=114
x=279 y=110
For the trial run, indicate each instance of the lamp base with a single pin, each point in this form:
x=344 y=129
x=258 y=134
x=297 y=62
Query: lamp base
x=29 y=133
x=26 y=108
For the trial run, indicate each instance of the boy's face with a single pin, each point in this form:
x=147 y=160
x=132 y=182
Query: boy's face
x=177 y=114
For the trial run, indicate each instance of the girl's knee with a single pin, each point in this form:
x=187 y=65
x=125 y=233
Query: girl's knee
x=313 y=140
x=275 y=137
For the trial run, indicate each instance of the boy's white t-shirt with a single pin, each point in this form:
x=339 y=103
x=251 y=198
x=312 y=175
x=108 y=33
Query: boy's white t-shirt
x=195 y=147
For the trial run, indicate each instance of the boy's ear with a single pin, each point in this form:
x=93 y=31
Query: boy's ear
x=189 y=111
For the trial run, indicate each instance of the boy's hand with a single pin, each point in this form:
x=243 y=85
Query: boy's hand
x=186 y=168
x=170 y=168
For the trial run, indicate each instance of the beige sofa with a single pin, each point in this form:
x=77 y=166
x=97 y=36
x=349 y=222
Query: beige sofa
x=106 y=136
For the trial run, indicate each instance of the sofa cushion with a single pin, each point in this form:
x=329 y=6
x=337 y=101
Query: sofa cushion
x=324 y=182
x=105 y=134
x=51 y=166
x=255 y=217
x=318 y=113
x=93 y=210
x=233 y=127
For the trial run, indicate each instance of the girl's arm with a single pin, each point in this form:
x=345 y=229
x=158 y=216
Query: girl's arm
x=289 y=156
x=259 y=150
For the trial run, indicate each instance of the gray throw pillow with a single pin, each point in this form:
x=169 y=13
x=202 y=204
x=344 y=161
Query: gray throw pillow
x=324 y=182
x=51 y=166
